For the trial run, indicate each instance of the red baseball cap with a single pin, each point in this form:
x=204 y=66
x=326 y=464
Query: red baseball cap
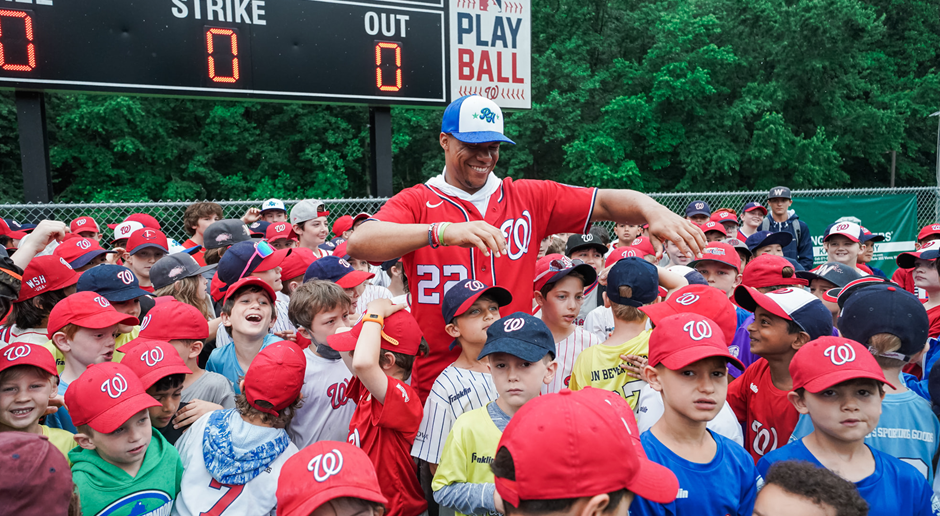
x=83 y=224
x=280 y=230
x=723 y=216
x=849 y=230
x=928 y=230
x=45 y=274
x=152 y=360
x=767 y=271
x=250 y=281
x=906 y=260
x=22 y=353
x=342 y=225
x=582 y=431
x=682 y=339
x=721 y=252
x=296 y=263
x=124 y=230
x=711 y=225
x=144 y=238
x=5 y=230
x=827 y=361
x=324 y=471
x=400 y=334
x=704 y=300
x=552 y=268
x=275 y=376
x=79 y=251
x=620 y=253
x=361 y=216
x=172 y=320
x=147 y=220
x=35 y=479
x=105 y=396
x=643 y=245
x=86 y=310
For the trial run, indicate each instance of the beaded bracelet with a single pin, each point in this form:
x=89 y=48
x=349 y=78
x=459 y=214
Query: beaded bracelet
x=432 y=235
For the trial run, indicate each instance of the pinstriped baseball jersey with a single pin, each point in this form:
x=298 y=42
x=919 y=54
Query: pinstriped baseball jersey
x=524 y=210
x=567 y=352
x=454 y=392
x=370 y=294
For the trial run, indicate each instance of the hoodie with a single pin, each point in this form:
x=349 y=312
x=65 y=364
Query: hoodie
x=228 y=459
x=107 y=490
x=802 y=250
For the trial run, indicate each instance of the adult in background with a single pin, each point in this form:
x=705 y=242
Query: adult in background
x=782 y=219
x=467 y=223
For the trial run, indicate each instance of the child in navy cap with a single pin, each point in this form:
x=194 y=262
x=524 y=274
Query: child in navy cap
x=339 y=271
x=520 y=352
x=698 y=212
x=470 y=307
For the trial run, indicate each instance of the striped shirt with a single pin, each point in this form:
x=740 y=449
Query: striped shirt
x=454 y=392
x=567 y=352
x=370 y=294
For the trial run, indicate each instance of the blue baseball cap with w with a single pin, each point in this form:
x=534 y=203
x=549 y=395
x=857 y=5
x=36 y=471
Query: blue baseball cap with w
x=474 y=119
x=521 y=335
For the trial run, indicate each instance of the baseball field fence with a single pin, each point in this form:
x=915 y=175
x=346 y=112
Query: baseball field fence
x=170 y=213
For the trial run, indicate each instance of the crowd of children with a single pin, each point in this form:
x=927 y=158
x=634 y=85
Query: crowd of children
x=260 y=368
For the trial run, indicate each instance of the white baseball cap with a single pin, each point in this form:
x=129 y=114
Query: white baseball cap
x=474 y=119
x=273 y=204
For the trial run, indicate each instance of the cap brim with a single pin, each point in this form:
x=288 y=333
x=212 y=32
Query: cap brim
x=482 y=137
x=782 y=238
x=873 y=238
x=906 y=260
x=761 y=208
x=653 y=481
x=692 y=354
x=104 y=320
x=832 y=295
x=498 y=294
x=850 y=237
x=697 y=212
x=157 y=373
x=827 y=380
x=749 y=299
x=693 y=263
x=344 y=340
x=515 y=347
x=145 y=246
x=116 y=415
x=596 y=245
x=354 y=279
x=125 y=294
x=272 y=261
x=320 y=497
x=83 y=260
x=657 y=311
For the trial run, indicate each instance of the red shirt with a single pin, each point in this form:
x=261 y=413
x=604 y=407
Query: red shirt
x=198 y=255
x=904 y=278
x=933 y=316
x=763 y=410
x=387 y=436
x=525 y=211
x=148 y=288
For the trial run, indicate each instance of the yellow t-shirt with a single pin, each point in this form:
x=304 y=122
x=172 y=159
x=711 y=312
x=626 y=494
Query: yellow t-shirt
x=63 y=440
x=121 y=339
x=599 y=366
x=468 y=451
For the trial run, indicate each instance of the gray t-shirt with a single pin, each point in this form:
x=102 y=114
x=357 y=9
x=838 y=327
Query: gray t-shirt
x=211 y=387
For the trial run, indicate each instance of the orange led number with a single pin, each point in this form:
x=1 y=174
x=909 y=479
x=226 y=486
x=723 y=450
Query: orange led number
x=379 y=83
x=210 y=46
x=30 y=48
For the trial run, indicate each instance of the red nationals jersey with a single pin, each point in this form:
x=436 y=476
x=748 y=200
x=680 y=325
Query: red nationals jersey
x=763 y=410
x=525 y=211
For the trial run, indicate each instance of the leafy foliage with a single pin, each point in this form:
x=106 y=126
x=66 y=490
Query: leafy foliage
x=655 y=95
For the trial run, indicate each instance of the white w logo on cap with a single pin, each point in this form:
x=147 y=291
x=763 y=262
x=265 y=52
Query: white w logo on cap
x=698 y=330
x=687 y=299
x=326 y=465
x=14 y=352
x=115 y=386
x=841 y=354
x=152 y=357
x=513 y=324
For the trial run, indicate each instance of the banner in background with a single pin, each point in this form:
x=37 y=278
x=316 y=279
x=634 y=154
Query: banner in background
x=894 y=216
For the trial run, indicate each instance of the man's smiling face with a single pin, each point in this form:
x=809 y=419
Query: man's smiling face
x=468 y=164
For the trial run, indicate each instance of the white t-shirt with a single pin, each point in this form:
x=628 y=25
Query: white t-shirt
x=455 y=392
x=600 y=322
x=370 y=294
x=326 y=411
x=199 y=492
x=650 y=409
x=566 y=352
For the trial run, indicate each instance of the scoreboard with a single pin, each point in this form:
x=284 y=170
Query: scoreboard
x=383 y=52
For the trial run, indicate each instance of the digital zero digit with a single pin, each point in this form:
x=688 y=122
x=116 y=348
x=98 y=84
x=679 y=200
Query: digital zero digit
x=379 y=83
x=30 y=47
x=210 y=47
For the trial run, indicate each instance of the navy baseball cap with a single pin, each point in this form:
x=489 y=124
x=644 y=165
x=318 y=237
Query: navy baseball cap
x=751 y=206
x=461 y=297
x=640 y=275
x=474 y=119
x=258 y=228
x=235 y=265
x=114 y=282
x=337 y=270
x=834 y=272
x=521 y=335
x=885 y=308
x=697 y=208
x=765 y=238
x=328 y=246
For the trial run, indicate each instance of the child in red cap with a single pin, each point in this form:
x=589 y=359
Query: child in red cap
x=145 y=247
x=327 y=473
x=83 y=328
x=86 y=227
x=235 y=456
x=46 y=281
x=905 y=276
x=547 y=458
x=688 y=364
x=388 y=410
x=161 y=371
x=281 y=235
x=27 y=383
x=838 y=382
x=122 y=466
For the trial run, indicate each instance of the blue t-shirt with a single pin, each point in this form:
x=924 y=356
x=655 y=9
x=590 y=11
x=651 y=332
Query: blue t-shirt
x=907 y=430
x=61 y=418
x=727 y=484
x=223 y=361
x=894 y=489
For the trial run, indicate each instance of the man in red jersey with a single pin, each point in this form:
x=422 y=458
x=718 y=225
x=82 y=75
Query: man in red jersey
x=467 y=223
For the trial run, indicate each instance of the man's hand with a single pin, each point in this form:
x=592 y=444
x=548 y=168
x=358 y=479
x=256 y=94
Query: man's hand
x=666 y=225
x=251 y=216
x=477 y=234
x=193 y=411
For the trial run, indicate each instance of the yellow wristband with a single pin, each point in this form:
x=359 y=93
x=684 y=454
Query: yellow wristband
x=440 y=233
x=376 y=318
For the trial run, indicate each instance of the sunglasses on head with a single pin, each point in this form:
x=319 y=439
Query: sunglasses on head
x=262 y=249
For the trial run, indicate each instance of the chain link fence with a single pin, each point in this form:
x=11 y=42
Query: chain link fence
x=170 y=214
